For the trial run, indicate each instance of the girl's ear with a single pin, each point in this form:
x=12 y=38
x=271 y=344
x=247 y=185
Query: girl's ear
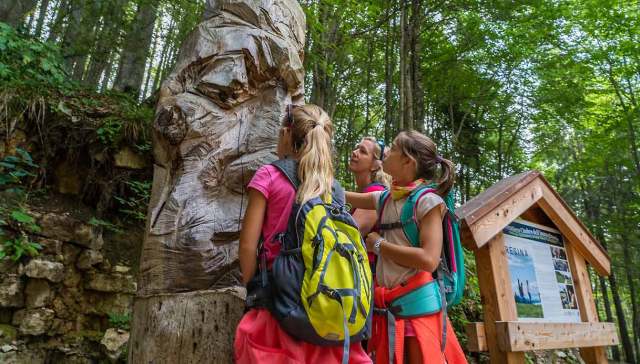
x=410 y=163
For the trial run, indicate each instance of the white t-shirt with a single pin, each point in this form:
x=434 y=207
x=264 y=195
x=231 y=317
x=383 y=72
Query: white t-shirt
x=389 y=273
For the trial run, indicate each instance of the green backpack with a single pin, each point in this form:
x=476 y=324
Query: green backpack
x=321 y=288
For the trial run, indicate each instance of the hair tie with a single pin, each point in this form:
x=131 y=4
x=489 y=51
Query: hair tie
x=439 y=159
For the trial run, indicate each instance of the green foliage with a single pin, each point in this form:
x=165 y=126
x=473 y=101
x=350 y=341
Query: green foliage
x=120 y=321
x=17 y=247
x=15 y=243
x=14 y=169
x=15 y=222
x=135 y=203
x=105 y=225
x=25 y=61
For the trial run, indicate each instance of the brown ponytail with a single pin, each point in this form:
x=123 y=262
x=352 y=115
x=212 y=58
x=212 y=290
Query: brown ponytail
x=430 y=165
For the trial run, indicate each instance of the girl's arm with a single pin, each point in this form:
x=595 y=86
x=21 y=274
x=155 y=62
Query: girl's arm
x=361 y=200
x=426 y=257
x=250 y=234
x=366 y=219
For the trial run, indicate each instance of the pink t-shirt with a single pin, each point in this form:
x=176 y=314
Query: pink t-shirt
x=280 y=196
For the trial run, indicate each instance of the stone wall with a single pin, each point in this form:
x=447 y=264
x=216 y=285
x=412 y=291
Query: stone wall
x=55 y=308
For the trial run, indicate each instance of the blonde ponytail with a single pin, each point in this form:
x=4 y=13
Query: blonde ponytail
x=312 y=132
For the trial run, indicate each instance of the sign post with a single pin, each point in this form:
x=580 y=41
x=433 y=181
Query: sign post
x=531 y=257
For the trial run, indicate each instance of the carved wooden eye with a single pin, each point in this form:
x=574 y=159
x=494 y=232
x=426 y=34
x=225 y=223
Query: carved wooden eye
x=224 y=80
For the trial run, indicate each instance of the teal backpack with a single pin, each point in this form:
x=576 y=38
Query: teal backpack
x=450 y=274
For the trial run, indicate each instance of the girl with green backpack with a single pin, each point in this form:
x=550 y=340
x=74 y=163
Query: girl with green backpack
x=419 y=268
x=309 y=294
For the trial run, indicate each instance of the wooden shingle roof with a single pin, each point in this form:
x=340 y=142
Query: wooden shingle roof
x=484 y=216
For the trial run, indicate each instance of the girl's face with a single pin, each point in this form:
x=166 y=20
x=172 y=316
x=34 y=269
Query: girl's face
x=363 y=157
x=398 y=165
x=285 y=143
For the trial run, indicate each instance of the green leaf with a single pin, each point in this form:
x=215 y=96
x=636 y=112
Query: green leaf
x=21 y=216
x=26 y=157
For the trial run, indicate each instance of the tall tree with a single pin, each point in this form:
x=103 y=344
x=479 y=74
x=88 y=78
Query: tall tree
x=135 y=48
x=13 y=12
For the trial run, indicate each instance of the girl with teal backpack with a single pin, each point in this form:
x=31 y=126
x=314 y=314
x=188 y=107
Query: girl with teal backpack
x=420 y=268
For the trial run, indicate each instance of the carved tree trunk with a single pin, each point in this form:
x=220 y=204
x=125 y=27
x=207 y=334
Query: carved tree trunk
x=194 y=327
x=217 y=121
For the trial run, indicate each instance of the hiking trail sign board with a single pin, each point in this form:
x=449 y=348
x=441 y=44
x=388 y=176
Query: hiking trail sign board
x=531 y=256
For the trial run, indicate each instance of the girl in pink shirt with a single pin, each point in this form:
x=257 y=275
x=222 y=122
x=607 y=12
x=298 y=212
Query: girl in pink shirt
x=306 y=137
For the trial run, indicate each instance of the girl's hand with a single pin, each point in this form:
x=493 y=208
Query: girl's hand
x=371 y=239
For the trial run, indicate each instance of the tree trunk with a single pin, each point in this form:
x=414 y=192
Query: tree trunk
x=56 y=26
x=147 y=78
x=389 y=67
x=135 y=49
x=42 y=14
x=404 y=69
x=615 y=352
x=323 y=88
x=13 y=12
x=417 y=92
x=107 y=40
x=166 y=48
x=216 y=123
x=108 y=73
x=193 y=327
x=72 y=35
x=622 y=321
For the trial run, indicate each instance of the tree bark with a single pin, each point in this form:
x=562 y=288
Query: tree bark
x=56 y=26
x=42 y=14
x=323 y=87
x=622 y=321
x=13 y=12
x=136 y=48
x=147 y=78
x=404 y=68
x=166 y=49
x=107 y=40
x=72 y=35
x=615 y=352
x=417 y=91
x=194 y=327
x=389 y=68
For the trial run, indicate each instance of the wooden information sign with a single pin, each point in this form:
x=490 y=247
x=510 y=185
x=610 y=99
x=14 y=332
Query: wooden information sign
x=531 y=256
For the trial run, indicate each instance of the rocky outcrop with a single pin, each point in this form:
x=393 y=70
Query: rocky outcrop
x=56 y=307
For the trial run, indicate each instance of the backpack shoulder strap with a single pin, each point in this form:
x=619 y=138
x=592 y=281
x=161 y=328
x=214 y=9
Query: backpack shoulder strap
x=408 y=215
x=289 y=168
x=382 y=202
x=337 y=193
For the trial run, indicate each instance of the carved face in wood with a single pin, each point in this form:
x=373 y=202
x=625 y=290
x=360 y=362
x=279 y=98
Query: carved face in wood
x=217 y=121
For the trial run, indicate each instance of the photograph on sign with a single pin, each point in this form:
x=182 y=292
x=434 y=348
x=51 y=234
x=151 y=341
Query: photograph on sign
x=541 y=278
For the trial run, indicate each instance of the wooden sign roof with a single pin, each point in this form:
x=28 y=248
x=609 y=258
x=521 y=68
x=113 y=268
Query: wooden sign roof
x=487 y=214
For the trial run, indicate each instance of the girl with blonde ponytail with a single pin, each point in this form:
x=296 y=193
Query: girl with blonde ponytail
x=311 y=134
x=305 y=136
